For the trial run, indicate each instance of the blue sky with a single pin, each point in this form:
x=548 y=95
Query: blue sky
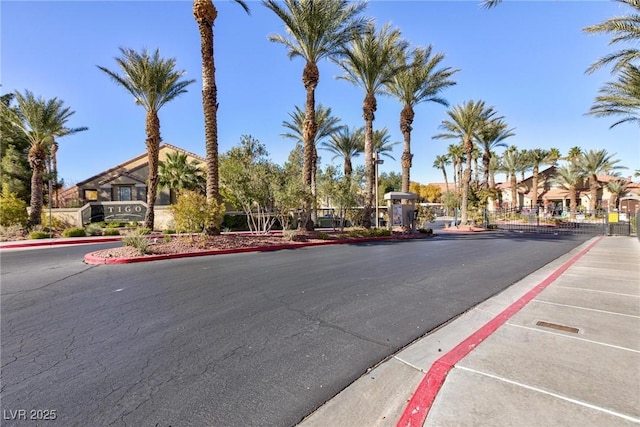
x=527 y=59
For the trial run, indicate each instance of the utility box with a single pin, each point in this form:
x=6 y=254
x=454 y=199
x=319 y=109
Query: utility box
x=402 y=210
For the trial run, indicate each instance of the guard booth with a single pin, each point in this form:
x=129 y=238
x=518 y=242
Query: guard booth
x=401 y=208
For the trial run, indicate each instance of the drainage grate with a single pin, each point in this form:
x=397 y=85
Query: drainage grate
x=558 y=327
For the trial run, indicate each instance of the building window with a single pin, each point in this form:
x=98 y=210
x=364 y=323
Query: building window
x=91 y=195
x=124 y=194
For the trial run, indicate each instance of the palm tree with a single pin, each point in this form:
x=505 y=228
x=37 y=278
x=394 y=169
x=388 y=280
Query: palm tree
x=574 y=154
x=418 y=81
x=40 y=121
x=592 y=164
x=511 y=163
x=620 y=98
x=371 y=63
x=153 y=81
x=490 y=137
x=616 y=187
x=494 y=165
x=456 y=153
x=441 y=162
x=569 y=177
x=178 y=173
x=623 y=29
x=345 y=143
x=381 y=144
x=534 y=159
x=327 y=126
x=205 y=14
x=466 y=121
x=317 y=30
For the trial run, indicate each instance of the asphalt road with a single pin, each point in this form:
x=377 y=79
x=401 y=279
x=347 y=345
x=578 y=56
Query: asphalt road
x=250 y=339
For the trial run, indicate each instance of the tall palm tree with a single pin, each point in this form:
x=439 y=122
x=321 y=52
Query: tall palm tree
x=40 y=121
x=592 y=164
x=616 y=187
x=569 y=177
x=317 y=30
x=623 y=29
x=345 y=143
x=535 y=158
x=153 y=81
x=205 y=14
x=441 y=162
x=511 y=163
x=456 y=153
x=490 y=137
x=327 y=125
x=620 y=98
x=371 y=62
x=465 y=122
x=420 y=80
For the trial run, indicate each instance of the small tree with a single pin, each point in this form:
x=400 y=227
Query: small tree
x=13 y=211
x=193 y=214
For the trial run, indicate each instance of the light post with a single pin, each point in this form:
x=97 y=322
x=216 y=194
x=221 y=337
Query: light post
x=377 y=162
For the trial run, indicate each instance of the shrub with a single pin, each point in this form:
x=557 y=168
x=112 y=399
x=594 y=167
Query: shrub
x=74 y=232
x=425 y=231
x=193 y=214
x=93 y=230
x=144 y=231
x=167 y=238
x=55 y=222
x=168 y=231
x=13 y=211
x=111 y=232
x=11 y=232
x=115 y=224
x=136 y=240
x=38 y=235
x=323 y=235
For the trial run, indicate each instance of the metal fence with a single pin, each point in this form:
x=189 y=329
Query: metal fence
x=532 y=220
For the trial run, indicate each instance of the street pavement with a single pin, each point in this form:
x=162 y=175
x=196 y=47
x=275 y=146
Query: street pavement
x=559 y=348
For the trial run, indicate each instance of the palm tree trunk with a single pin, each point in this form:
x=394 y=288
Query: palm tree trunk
x=513 y=181
x=455 y=175
x=310 y=78
x=486 y=159
x=368 y=112
x=593 y=193
x=406 y=119
x=152 y=129
x=205 y=14
x=468 y=148
x=37 y=160
x=54 y=161
x=444 y=173
x=534 y=187
x=572 y=198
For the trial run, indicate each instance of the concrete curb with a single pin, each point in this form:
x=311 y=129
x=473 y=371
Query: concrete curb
x=90 y=258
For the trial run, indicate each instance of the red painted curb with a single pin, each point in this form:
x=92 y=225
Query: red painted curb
x=92 y=259
x=418 y=407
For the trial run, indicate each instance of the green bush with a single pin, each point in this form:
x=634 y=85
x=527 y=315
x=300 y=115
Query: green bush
x=193 y=214
x=144 y=231
x=138 y=241
x=425 y=231
x=93 y=230
x=74 y=232
x=115 y=224
x=168 y=231
x=38 y=235
x=323 y=235
x=111 y=232
x=13 y=211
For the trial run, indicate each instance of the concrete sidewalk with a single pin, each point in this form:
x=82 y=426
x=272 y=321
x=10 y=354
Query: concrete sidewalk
x=559 y=348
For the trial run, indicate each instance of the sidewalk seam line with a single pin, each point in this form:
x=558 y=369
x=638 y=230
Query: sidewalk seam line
x=585 y=308
x=409 y=364
x=552 y=394
x=597 y=290
x=573 y=337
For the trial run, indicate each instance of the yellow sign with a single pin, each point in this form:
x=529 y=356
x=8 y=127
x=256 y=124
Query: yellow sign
x=613 y=217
